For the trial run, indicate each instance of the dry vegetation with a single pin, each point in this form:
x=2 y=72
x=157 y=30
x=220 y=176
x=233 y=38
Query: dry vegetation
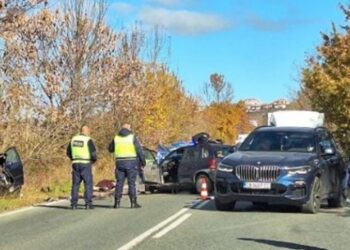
x=326 y=81
x=65 y=67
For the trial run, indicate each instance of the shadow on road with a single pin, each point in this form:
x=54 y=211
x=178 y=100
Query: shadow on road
x=55 y=206
x=80 y=207
x=283 y=244
x=249 y=207
x=342 y=212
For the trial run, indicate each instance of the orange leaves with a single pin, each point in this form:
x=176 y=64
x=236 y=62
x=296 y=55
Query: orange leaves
x=226 y=120
x=162 y=110
x=326 y=81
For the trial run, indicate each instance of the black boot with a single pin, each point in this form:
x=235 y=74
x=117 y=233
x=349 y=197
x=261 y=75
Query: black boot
x=89 y=206
x=116 y=203
x=134 y=203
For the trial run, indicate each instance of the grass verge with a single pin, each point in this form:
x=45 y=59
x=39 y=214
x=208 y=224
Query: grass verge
x=51 y=185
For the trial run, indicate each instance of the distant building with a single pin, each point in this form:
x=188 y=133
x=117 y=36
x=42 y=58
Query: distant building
x=252 y=105
x=280 y=104
x=252 y=102
x=267 y=106
x=255 y=105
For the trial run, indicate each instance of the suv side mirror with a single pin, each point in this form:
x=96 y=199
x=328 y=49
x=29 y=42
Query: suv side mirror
x=232 y=149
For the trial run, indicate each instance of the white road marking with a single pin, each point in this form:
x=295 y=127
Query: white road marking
x=17 y=211
x=21 y=210
x=171 y=226
x=202 y=204
x=154 y=229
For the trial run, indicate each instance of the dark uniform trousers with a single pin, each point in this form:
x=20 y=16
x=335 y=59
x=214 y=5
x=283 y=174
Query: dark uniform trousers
x=82 y=172
x=126 y=169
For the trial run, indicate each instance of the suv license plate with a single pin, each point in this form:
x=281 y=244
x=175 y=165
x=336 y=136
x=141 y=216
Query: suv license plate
x=257 y=185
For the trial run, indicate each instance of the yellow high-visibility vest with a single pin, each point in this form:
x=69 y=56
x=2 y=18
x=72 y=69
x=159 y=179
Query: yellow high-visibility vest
x=80 y=149
x=124 y=147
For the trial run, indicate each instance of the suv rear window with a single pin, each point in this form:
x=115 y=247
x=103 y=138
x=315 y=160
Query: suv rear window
x=220 y=151
x=191 y=153
x=280 y=141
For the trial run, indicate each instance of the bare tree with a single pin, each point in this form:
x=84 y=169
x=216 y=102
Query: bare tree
x=11 y=10
x=218 y=89
x=56 y=69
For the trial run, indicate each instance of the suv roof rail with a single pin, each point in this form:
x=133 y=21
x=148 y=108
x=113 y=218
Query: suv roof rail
x=269 y=126
x=321 y=127
x=263 y=126
x=216 y=141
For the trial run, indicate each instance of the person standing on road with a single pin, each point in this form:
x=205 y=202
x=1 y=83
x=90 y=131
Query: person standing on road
x=128 y=155
x=82 y=152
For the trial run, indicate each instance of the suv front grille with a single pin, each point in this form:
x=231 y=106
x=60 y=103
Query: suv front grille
x=257 y=173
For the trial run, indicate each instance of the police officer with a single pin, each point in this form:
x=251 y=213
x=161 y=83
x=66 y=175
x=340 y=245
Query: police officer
x=128 y=155
x=82 y=152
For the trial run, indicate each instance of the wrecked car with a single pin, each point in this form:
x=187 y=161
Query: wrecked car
x=184 y=167
x=11 y=171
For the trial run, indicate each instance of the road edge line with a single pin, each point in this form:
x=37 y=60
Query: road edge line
x=24 y=209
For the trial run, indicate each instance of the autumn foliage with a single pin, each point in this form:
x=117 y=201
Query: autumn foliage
x=326 y=81
x=65 y=67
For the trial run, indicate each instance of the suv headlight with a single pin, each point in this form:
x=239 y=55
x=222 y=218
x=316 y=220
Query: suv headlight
x=225 y=168
x=298 y=170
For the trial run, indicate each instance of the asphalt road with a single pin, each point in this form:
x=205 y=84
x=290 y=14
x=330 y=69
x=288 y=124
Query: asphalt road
x=169 y=221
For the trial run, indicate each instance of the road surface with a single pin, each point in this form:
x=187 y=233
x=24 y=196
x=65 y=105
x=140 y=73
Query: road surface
x=169 y=221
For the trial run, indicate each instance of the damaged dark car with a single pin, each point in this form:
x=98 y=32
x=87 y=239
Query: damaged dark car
x=296 y=166
x=11 y=172
x=184 y=167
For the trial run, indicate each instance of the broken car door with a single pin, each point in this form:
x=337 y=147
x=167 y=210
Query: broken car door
x=151 y=170
x=14 y=167
x=187 y=166
x=169 y=166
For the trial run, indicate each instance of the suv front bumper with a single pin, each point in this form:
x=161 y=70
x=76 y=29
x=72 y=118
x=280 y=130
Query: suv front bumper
x=287 y=191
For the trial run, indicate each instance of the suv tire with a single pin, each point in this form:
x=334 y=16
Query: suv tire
x=198 y=184
x=314 y=203
x=224 y=206
x=152 y=189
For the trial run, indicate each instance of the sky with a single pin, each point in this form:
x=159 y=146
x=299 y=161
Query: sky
x=260 y=46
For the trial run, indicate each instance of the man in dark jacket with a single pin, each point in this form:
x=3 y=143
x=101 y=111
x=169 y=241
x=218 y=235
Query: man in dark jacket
x=128 y=155
x=82 y=152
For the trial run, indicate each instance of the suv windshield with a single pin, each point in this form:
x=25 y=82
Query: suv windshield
x=280 y=141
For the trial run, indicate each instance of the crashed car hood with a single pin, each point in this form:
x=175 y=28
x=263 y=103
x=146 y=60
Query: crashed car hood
x=282 y=159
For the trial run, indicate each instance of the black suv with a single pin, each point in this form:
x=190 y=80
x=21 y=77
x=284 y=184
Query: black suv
x=282 y=165
x=184 y=167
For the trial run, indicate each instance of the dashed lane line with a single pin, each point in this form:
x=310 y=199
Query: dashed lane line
x=156 y=228
x=172 y=226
